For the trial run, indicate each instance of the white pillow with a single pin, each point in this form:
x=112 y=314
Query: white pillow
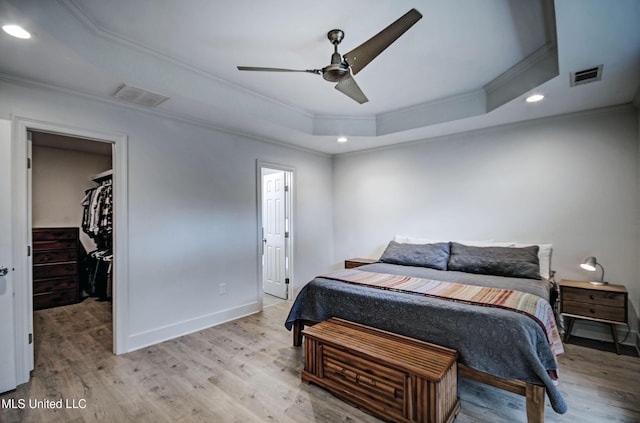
x=486 y=243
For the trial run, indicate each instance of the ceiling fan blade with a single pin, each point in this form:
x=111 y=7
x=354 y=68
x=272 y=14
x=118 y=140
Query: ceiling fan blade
x=362 y=55
x=253 y=68
x=349 y=87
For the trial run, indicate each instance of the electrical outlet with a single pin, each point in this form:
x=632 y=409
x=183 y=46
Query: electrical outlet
x=222 y=288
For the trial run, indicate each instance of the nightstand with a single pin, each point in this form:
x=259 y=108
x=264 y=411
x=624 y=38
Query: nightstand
x=598 y=303
x=357 y=262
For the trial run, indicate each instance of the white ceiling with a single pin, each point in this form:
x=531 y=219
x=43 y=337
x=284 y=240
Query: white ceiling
x=467 y=64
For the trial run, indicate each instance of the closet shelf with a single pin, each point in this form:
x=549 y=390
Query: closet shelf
x=102 y=175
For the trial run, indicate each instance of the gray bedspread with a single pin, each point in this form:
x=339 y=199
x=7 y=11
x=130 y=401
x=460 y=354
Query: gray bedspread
x=500 y=342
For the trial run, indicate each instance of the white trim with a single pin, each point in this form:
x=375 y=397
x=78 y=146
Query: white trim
x=21 y=240
x=292 y=227
x=22 y=234
x=19 y=81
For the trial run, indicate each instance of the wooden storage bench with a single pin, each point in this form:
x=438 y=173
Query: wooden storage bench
x=391 y=376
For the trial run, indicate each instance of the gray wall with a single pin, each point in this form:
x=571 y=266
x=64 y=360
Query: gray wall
x=192 y=210
x=571 y=181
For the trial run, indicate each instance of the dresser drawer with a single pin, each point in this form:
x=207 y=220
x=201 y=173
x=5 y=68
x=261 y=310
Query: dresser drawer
x=55 y=266
x=596 y=311
x=615 y=299
x=381 y=384
x=49 y=234
x=42 y=286
x=43 y=257
x=56 y=298
x=55 y=244
x=42 y=271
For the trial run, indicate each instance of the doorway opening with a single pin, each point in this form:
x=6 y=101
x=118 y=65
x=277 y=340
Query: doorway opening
x=276 y=232
x=71 y=204
x=22 y=234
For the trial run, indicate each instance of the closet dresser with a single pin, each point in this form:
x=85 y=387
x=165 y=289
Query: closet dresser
x=55 y=267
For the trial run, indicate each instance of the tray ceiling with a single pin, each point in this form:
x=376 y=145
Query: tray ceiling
x=465 y=65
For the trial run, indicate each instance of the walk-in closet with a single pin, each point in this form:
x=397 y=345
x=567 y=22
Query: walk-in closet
x=72 y=222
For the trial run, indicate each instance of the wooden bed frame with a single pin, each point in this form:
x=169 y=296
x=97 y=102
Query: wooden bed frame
x=534 y=394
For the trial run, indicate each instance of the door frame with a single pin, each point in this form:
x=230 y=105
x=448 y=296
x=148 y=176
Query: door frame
x=260 y=164
x=22 y=226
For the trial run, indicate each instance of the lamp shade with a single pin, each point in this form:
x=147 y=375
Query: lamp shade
x=589 y=264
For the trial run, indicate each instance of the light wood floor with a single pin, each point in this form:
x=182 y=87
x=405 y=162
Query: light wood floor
x=247 y=371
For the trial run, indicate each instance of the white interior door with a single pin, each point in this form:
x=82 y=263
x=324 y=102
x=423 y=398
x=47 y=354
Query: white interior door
x=274 y=238
x=7 y=325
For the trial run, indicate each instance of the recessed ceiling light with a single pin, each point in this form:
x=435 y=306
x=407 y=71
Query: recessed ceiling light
x=342 y=139
x=16 y=31
x=535 y=97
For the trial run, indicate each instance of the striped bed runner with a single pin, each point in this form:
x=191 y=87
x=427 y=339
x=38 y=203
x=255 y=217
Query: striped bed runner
x=528 y=304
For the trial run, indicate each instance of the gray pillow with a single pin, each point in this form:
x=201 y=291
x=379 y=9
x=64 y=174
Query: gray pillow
x=500 y=261
x=423 y=255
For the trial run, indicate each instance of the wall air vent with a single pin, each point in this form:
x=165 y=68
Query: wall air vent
x=586 y=76
x=139 y=96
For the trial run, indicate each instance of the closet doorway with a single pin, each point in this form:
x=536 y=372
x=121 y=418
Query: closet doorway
x=72 y=237
x=276 y=237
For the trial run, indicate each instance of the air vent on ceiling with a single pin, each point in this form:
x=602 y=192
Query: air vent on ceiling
x=139 y=96
x=586 y=76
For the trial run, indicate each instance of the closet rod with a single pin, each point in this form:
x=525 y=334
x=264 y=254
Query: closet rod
x=102 y=175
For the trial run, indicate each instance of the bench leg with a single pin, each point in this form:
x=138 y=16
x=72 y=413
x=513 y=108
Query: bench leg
x=298 y=326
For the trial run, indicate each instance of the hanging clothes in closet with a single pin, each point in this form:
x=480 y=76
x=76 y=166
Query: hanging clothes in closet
x=97 y=222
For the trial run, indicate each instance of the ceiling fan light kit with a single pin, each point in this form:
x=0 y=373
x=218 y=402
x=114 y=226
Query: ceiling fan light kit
x=341 y=68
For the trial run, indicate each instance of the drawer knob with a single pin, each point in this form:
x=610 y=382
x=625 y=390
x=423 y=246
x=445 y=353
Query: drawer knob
x=592 y=311
x=592 y=297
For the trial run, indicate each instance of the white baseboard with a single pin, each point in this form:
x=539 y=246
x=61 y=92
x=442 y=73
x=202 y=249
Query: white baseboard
x=155 y=336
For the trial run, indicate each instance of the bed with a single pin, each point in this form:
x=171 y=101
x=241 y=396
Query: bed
x=496 y=345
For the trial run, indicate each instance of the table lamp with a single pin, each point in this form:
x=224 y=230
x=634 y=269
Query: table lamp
x=590 y=264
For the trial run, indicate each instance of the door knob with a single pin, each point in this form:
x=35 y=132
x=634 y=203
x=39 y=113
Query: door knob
x=3 y=270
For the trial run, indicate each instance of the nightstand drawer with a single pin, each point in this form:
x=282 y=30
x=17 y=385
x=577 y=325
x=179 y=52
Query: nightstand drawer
x=596 y=311
x=615 y=299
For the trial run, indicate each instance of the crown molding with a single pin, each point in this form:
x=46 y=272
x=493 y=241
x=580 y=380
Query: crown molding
x=23 y=82
x=82 y=17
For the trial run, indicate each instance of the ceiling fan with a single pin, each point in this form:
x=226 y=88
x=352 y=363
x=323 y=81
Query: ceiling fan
x=354 y=61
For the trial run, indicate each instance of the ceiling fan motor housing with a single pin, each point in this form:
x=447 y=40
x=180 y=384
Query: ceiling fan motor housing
x=336 y=72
